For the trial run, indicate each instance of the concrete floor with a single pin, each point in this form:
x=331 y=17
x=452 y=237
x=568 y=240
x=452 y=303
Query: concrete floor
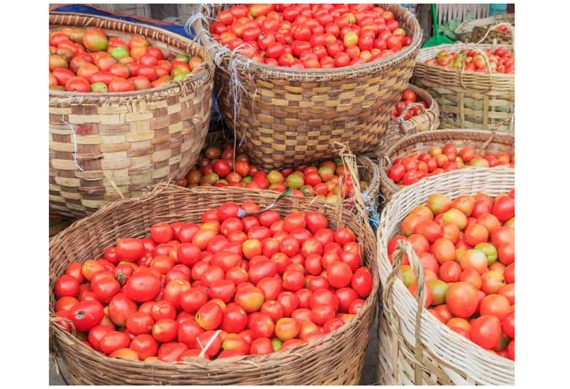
x=368 y=372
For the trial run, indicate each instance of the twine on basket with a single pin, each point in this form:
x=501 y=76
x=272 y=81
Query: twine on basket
x=74 y=138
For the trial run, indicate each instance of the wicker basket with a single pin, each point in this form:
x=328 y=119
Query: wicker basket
x=475 y=30
x=415 y=348
x=483 y=141
x=428 y=120
x=105 y=147
x=468 y=99
x=290 y=117
x=335 y=359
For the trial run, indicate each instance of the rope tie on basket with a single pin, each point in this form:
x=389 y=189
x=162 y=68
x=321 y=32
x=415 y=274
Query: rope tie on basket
x=351 y=165
x=113 y=184
x=401 y=249
x=204 y=349
x=191 y=20
x=74 y=138
x=484 y=55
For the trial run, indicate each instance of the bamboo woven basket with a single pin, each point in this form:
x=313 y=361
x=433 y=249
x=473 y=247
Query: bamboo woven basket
x=482 y=141
x=289 y=117
x=475 y=30
x=468 y=99
x=428 y=120
x=104 y=147
x=416 y=348
x=335 y=359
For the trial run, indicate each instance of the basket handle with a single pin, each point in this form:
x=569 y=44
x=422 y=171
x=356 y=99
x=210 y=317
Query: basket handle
x=487 y=62
x=404 y=247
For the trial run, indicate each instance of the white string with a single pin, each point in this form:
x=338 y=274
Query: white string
x=74 y=143
x=209 y=343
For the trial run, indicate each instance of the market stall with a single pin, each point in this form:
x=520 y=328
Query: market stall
x=250 y=193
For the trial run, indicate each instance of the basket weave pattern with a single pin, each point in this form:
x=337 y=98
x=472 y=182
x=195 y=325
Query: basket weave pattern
x=335 y=359
x=468 y=99
x=428 y=120
x=289 y=117
x=482 y=141
x=104 y=147
x=446 y=357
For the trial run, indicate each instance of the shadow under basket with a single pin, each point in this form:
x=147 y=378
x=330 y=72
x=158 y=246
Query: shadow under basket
x=335 y=359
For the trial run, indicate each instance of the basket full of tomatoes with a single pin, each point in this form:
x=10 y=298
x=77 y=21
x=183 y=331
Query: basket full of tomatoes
x=498 y=29
x=129 y=106
x=219 y=167
x=190 y=287
x=425 y=154
x=305 y=76
x=474 y=84
x=446 y=249
x=416 y=112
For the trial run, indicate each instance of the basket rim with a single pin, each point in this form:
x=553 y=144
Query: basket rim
x=468 y=25
x=196 y=79
x=423 y=53
x=457 y=134
x=426 y=317
x=167 y=188
x=286 y=72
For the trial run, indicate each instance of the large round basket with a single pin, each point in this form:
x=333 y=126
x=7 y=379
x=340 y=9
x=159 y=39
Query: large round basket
x=416 y=348
x=482 y=141
x=468 y=99
x=104 y=147
x=427 y=120
x=476 y=30
x=335 y=359
x=289 y=117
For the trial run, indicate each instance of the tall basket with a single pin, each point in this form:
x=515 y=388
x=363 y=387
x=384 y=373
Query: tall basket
x=108 y=146
x=468 y=99
x=289 y=117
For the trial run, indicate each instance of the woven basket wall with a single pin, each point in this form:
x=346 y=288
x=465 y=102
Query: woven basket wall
x=446 y=357
x=468 y=99
x=482 y=141
x=289 y=117
x=335 y=359
x=104 y=147
x=428 y=120
x=475 y=30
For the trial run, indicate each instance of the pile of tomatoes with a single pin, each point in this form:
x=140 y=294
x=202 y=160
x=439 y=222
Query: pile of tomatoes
x=216 y=168
x=500 y=61
x=408 y=97
x=414 y=167
x=89 y=61
x=467 y=251
x=227 y=287
x=311 y=36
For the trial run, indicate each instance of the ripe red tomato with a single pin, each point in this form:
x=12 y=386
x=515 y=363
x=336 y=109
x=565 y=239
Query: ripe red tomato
x=462 y=299
x=66 y=285
x=486 y=331
x=143 y=286
x=86 y=315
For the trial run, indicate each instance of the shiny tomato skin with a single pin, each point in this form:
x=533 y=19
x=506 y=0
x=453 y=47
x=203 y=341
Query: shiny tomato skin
x=86 y=315
x=486 y=331
x=143 y=286
x=113 y=341
x=66 y=286
x=130 y=249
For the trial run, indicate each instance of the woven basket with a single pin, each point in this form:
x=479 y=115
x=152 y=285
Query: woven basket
x=290 y=117
x=468 y=99
x=482 y=141
x=335 y=359
x=442 y=357
x=427 y=120
x=104 y=147
x=475 y=30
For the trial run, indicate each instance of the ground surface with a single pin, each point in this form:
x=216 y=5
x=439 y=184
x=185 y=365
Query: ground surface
x=368 y=372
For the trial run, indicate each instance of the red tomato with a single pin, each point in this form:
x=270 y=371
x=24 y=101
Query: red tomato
x=486 y=331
